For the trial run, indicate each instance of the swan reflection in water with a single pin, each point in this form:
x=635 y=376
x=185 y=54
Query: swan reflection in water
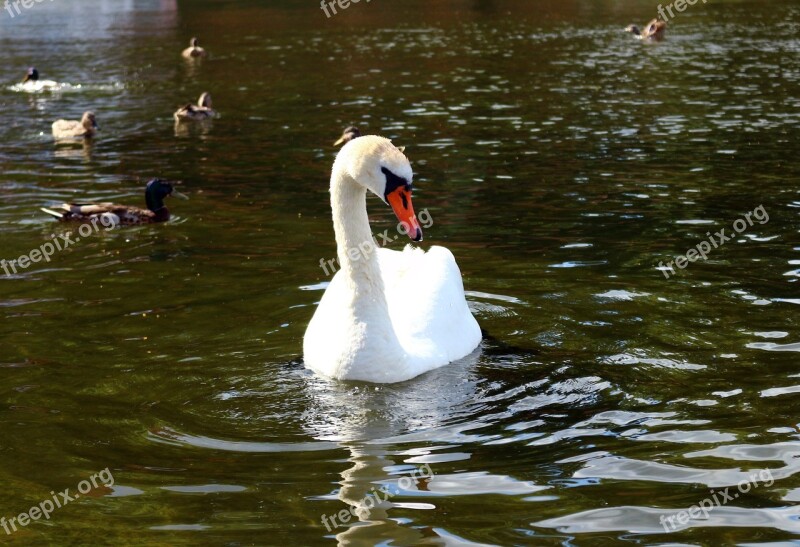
x=372 y=422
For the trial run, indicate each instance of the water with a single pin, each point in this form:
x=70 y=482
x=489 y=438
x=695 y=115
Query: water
x=559 y=159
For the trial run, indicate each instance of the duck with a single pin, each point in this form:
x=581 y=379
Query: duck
x=70 y=129
x=653 y=32
x=348 y=135
x=387 y=316
x=194 y=50
x=31 y=82
x=111 y=214
x=202 y=111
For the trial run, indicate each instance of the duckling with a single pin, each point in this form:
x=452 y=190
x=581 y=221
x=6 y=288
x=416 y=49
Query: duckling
x=111 y=214
x=653 y=32
x=194 y=50
x=33 y=83
x=202 y=111
x=348 y=135
x=69 y=129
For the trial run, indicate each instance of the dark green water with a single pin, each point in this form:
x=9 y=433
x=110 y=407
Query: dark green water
x=559 y=159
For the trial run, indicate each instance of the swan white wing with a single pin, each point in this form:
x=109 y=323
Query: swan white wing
x=427 y=306
x=326 y=334
x=339 y=344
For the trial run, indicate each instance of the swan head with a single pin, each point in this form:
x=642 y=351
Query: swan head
x=32 y=75
x=382 y=168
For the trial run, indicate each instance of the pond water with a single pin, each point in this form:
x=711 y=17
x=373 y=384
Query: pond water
x=564 y=163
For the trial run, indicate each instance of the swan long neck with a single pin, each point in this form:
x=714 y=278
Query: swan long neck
x=354 y=243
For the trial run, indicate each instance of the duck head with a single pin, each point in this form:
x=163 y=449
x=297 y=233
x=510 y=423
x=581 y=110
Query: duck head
x=156 y=191
x=89 y=121
x=32 y=75
x=633 y=29
x=348 y=135
x=193 y=42
x=382 y=168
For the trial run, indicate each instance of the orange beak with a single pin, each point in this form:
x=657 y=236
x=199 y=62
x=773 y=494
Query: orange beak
x=400 y=200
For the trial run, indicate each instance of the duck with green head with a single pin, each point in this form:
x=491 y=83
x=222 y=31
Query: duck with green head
x=31 y=82
x=121 y=215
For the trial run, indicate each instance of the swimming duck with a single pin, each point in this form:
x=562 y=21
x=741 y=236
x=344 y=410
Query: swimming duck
x=386 y=316
x=202 y=111
x=121 y=215
x=32 y=82
x=653 y=32
x=194 y=50
x=348 y=135
x=70 y=129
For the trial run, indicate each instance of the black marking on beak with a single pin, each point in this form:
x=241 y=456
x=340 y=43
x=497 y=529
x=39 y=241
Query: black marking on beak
x=393 y=182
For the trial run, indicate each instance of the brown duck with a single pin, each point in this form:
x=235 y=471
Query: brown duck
x=348 y=135
x=653 y=32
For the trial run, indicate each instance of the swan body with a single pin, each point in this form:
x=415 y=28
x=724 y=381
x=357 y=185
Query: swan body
x=654 y=31
x=194 y=50
x=71 y=129
x=203 y=110
x=387 y=316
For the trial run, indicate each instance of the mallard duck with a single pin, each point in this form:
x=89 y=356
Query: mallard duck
x=348 y=135
x=121 y=215
x=70 y=129
x=653 y=32
x=33 y=83
x=194 y=50
x=202 y=111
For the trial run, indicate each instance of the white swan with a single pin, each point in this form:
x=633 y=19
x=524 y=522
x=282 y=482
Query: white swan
x=387 y=316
